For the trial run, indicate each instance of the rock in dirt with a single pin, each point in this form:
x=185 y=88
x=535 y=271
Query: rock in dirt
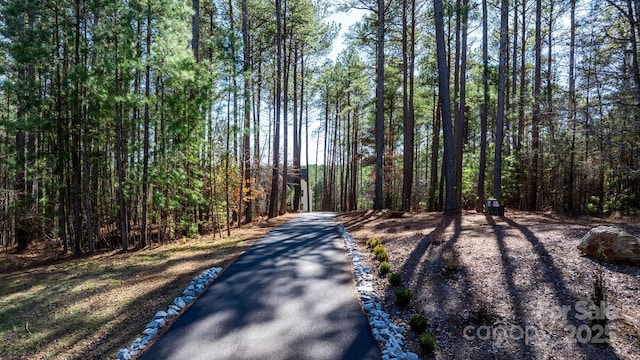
x=618 y=246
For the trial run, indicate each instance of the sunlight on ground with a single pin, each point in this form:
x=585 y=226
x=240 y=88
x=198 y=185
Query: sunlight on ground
x=83 y=308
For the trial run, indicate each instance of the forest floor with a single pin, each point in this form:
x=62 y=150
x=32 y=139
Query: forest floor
x=54 y=307
x=513 y=287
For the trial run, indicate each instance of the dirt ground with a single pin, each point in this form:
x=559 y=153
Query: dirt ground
x=88 y=307
x=513 y=287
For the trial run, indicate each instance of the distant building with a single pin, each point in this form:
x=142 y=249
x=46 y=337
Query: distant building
x=306 y=194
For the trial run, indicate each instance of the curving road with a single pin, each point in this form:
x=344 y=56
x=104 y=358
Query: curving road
x=290 y=296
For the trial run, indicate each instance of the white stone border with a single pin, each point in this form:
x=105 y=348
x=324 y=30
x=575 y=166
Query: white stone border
x=189 y=295
x=388 y=335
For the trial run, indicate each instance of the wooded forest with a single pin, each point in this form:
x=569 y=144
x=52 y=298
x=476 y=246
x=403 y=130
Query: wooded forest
x=127 y=122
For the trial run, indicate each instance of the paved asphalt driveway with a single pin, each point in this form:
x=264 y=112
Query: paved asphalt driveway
x=290 y=296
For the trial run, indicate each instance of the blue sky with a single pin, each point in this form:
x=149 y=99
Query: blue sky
x=345 y=19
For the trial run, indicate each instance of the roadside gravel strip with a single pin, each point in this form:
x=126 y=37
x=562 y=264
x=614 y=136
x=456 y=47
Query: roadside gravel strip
x=389 y=336
x=189 y=295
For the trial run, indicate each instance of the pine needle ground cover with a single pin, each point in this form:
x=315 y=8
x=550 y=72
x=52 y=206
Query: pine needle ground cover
x=88 y=308
x=478 y=280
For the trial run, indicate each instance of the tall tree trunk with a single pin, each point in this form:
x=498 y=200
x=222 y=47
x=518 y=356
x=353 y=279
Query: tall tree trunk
x=234 y=72
x=285 y=104
x=435 y=149
x=234 y=129
x=195 y=29
x=273 y=205
x=334 y=157
x=601 y=187
x=85 y=162
x=344 y=155
x=502 y=72
x=60 y=140
x=86 y=184
x=21 y=234
x=119 y=153
x=246 y=153
x=353 y=193
x=325 y=158
x=514 y=76
x=457 y=111
x=450 y=202
x=296 y=140
x=227 y=160
x=256 y=122
x=378 y=202
x=635 y=63
x=484 y=110
x=519 y=168
x=550 y=112
x=536 y=116
x=298 y=146
x=75 y=156
x=573 y=107
x=412 y=68
x=409 y=123
x=308 y=179
x=145 y=156
x=461 y=115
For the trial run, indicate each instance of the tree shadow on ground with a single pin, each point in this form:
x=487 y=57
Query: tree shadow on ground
x=434 y=267
x=290 y=296
x=552 y=276
x=448 y=286
x=357 y=219
x=434 y=238
x=52 y=300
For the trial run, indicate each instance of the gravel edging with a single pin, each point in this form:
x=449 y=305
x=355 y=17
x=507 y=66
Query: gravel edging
x=389 y=336
x=189 y=295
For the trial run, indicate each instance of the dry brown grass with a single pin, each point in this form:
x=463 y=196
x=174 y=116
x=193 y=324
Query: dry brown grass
x=89 y=307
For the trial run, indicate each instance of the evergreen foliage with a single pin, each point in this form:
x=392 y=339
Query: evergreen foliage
x=141 y=121
x=418 y=324
x=395 y=279
x=427 y=343
x=384 y=268
x=403 y=297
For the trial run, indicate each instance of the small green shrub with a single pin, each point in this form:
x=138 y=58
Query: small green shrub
x=380 y=253
x=427 y=343
x=382 y=257
x=395 y=279
x=373 y=242
x=384 y=268
x=418 y=324
x=599 y=323
x=403 y=297
x=379 y=249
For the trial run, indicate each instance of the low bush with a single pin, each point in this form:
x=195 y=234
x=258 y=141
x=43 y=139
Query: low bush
x=403 y=297
x=380 y=253
x=379 y=249
x=373 y=242
x=599 y=323
x=427 y=343
x=382 y=257
x=384 y=268
x=395 y=279
x=418 y=324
